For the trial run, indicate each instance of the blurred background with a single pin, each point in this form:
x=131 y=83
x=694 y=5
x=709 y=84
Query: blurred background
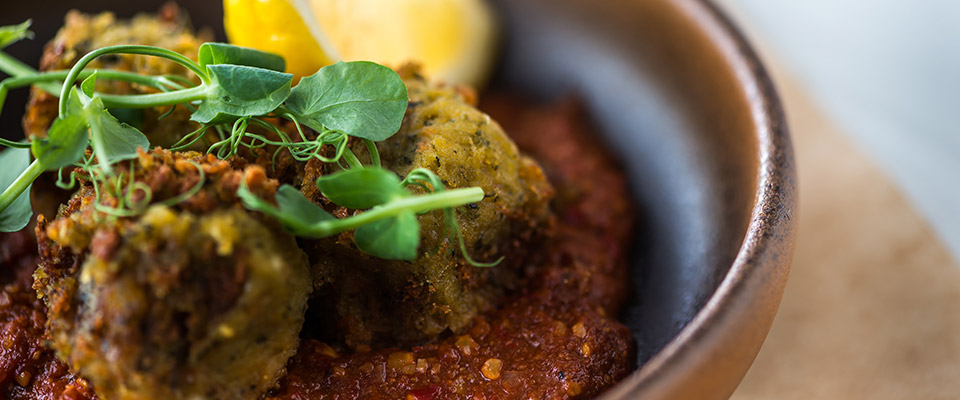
x=872 y=96
x=889 y=73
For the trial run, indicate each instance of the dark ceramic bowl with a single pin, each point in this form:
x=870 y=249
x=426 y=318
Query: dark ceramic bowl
x=682 y=98
x=680 y=95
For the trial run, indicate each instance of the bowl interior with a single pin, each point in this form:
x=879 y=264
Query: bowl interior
x=660 y=94
x=670 y=108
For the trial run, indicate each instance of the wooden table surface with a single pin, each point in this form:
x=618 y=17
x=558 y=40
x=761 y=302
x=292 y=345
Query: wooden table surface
x=872 y=305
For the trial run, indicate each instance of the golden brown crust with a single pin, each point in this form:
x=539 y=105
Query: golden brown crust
x=387 y=303
x=195 y=298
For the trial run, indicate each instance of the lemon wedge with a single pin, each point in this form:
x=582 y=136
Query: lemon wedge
x=277 y=27
x=453 y=40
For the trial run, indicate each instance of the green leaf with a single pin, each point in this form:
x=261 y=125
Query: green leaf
x=394 y=238
x=222 y=53
x=17 y=215
x=252 y=202
x=76 y=102
x=66 y=140
x=291 y=202
x=240 y=91
x=359 y=98
x=295 y=212
x=78 y=99
x=11 y=34
x=89 y=85
x=112 y=140
x=361 y=188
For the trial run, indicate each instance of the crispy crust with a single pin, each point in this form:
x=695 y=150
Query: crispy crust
x=181 y=300
x=439 y=292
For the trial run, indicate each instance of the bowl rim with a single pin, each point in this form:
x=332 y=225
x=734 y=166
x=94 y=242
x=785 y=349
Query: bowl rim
x=767 y=249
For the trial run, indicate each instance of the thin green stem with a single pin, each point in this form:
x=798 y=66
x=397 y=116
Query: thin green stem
x=21 y=81
x=283 y=112
x=351 y=158
x=14 y=67
x=199 y=133
x=176 y=80
x=16 y=82
x=239 y=129
x=66 y=185
x=20 y=184
x=416 y=204
x=167 y=114
x=126 y=76
x=127 y=49
x=16 y=145
x=154 y=99
x=374 y=153
x=112 y=74
x=454 y=229
x=27 y=80
x=273 y=128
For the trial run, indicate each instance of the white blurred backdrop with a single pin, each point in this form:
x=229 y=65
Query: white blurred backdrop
x=888 y=71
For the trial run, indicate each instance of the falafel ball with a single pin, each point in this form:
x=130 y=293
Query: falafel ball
x=366 y=301
x=190 y=299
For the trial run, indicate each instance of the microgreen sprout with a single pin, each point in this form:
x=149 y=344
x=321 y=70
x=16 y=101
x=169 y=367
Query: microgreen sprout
x=389 y=228
x=239 y=90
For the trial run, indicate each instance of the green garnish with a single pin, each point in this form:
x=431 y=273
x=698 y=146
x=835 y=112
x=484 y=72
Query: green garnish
x=17 y=210
x=239 y=87
x=359 y=98
x=15 y=33
x=389 y=229
x=222 y=53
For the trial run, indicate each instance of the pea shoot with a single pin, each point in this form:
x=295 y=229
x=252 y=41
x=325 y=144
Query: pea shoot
x=238 y=88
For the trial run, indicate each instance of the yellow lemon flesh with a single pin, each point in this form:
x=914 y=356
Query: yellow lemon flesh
x=275 y=26
x=452 y=39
